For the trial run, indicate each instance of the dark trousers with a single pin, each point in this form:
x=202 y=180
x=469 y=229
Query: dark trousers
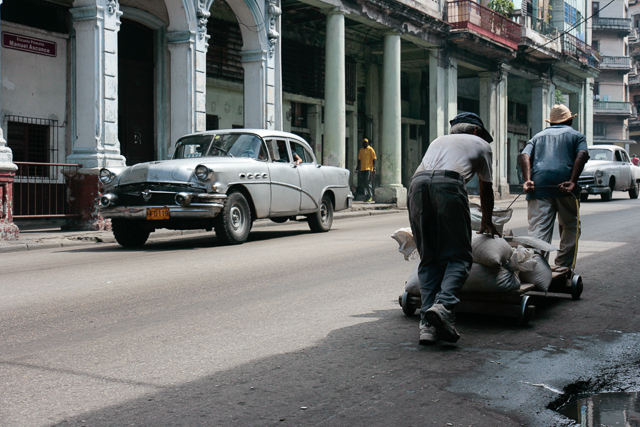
x=441 y=224
x=364 y=179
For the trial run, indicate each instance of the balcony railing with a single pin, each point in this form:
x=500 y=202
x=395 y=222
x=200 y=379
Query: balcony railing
x=543 y=27
x=469 y=15
x=612 y=107
x=615 y=63
x=612 y=24
x=579 y=50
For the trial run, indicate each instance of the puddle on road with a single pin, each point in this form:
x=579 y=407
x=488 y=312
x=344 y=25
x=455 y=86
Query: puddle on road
x=604 y=409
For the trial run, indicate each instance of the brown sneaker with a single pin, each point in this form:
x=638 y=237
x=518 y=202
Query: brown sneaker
x=443 y=321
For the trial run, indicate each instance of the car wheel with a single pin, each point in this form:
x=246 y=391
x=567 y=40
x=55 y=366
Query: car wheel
x=323 y=219
x=633 y=192
x=608 y=195
x=584 y=197
x=233 y=224
x=129 y=234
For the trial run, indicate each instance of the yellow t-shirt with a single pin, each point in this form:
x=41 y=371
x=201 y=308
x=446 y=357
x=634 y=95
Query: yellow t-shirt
x=366 y=157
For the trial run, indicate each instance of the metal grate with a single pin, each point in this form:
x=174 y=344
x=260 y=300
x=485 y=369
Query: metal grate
x=223 y=55
x=42 y=183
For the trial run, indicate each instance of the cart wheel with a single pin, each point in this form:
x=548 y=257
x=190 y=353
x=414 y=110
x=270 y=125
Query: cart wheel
x=576 y=287
x=526 y=311
x=406 y=307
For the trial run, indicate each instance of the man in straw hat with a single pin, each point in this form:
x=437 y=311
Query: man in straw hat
x=551 y=164
x=441 y=221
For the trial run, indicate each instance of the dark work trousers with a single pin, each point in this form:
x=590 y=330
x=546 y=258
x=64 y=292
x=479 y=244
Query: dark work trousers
x=364 y=179
x=441 y=225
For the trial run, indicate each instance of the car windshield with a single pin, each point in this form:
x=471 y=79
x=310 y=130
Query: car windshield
x=600 y=154
x=220 y=145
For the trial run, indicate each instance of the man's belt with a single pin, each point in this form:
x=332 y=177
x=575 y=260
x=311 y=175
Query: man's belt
x=447 y=173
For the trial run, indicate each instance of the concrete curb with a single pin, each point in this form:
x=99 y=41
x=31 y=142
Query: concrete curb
x=54 y=239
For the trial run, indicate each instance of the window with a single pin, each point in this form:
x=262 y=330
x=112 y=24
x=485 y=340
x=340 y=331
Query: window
x=29 y=142
x=213 y=122
x=40 y=14
x=596 y=45
x=595 y=9
x=223 y=56
x=301 y=152
x=599 y=129
x=304 y=73
x=570 y=14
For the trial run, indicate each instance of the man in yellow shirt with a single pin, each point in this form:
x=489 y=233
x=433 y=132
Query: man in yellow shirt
x=366 y=167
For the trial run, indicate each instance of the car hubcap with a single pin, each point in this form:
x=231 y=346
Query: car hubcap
x=324 y=216
x=237 y=219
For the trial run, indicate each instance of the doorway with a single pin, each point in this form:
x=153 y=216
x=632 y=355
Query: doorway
x=136 y=100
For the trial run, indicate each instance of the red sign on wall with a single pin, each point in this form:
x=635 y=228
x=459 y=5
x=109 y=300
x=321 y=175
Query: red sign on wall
x=29 y=44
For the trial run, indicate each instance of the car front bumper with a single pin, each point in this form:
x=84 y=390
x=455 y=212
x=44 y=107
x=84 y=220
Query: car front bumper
x=193 y=211
x=595 y=189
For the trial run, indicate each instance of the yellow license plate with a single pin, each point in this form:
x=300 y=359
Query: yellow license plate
x=157 y=213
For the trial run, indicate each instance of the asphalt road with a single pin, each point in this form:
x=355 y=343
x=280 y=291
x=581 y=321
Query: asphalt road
x=299 y=329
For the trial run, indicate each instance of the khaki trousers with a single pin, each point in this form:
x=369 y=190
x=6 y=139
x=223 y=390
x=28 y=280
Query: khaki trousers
x=542 y=217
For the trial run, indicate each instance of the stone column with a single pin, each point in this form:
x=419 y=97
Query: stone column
x=182 y=94
x=8 y=230
x=574 y=106
x=390 y=157
x=334 y=91
x=443 y=92
x=542 y=100
x=493 y=112
x=587 y=110
x=255 y=86
x=95 y=107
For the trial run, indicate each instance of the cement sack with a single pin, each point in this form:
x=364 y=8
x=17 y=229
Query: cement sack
x=490 y=279
x=500 y=216
x=532 y=242
x=490 y=251
x=408 y=248
x=540 y=276
x=522 y=259
x=412 y=286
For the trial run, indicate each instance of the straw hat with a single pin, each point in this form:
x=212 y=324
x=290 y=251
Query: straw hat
x=559 y=114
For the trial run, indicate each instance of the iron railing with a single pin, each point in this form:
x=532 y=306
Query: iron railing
x=469 y=15
x=42 y=190
x=617 y=24
x=580 y=51
x=543 y=27
x=616 y=62
x=612 y=107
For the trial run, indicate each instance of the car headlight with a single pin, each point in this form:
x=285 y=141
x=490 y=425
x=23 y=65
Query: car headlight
x=106 y=176
x=202 y=172
x=599 y=173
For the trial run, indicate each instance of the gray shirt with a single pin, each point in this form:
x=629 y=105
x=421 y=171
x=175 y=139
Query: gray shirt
x=460 y=152
x=553 y=153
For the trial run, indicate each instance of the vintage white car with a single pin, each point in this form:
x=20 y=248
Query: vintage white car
x=609 y=169
x=223 y=180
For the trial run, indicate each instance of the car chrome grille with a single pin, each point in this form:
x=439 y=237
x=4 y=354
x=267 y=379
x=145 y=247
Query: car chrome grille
x=158 y=194
x=586 y=180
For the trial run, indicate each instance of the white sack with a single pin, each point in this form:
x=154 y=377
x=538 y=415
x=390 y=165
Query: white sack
x=500 y=216
x=408 y=248
x=412 y=286
x=491 y=279
x=522 y=259
x=540 y=276
x=490 y=251
x=532 y=242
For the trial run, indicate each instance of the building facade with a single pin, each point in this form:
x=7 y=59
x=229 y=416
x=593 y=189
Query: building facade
x=109 y=83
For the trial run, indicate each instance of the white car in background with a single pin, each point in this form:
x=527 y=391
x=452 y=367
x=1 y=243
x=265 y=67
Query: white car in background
x=609 y=169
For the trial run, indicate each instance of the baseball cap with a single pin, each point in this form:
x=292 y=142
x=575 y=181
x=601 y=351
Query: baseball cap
x=473 y=119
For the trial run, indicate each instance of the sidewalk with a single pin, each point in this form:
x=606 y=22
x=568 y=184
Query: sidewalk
x=35 y=236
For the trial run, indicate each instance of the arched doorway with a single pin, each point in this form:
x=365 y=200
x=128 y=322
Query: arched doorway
x=136 y=101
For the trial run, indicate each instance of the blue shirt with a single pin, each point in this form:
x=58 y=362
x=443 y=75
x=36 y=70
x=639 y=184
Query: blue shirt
x=553 y=153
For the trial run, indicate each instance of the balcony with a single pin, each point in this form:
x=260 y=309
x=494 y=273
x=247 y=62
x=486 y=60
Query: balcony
x=613 y=108
x=618 y=25
x=580 y=51
x=618 y=63
x=466 y=16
